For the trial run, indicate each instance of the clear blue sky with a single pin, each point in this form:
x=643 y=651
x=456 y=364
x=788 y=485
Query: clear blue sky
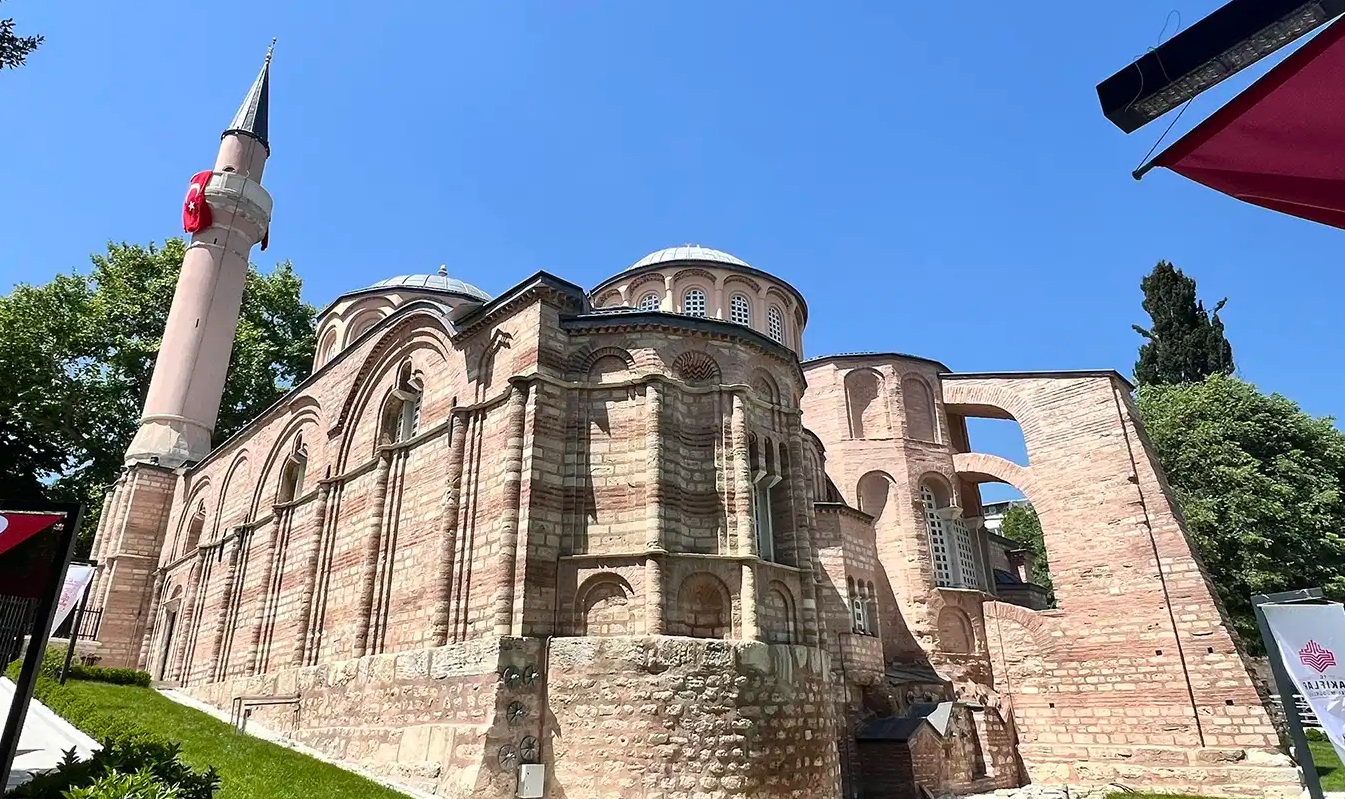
x=936 y=181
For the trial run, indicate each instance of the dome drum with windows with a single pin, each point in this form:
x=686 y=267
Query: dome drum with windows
x=698 y=281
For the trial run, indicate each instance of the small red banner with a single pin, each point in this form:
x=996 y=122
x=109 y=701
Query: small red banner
x=16 y=527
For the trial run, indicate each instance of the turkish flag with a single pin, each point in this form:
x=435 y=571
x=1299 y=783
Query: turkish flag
x=195 y=212
x=16 y=527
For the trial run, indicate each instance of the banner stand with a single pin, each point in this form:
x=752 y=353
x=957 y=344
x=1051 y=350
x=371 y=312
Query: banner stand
x=41 y=629
x=1287 y=689
x=74 y=627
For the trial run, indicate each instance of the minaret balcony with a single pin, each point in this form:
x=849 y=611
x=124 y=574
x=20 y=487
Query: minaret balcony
x=228 y=191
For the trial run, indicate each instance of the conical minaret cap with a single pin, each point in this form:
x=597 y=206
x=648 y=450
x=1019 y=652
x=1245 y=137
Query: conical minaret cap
x=252 y=117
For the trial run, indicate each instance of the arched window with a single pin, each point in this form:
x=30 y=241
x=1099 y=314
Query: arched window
x=650 y=302
x=328 y=348
x=775 y=324
x=950 y=543
x=866 y=400
x=362 y=324
x=871 y=608
x=740 y=310
x=292 y=473
x=401 y=417
x=765 y=475
x=919 y=409
x=192 y=535
x=693 y=302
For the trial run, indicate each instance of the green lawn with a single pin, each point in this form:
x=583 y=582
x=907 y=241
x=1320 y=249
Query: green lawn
x=249 y=768
x=1328 y=765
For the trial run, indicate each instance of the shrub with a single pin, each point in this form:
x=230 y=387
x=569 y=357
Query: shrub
x=115 y=785
x=53 y=660
x=1314 y=734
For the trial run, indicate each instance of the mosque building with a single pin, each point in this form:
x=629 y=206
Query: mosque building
x=623 y=541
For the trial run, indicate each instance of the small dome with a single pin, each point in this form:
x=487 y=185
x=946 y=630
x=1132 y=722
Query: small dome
x=688 y=252
x=440 y=282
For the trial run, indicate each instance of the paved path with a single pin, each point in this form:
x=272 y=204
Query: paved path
x=45 y=738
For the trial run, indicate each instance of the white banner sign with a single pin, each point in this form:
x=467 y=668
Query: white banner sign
x=77 y=578
x=1311 y=640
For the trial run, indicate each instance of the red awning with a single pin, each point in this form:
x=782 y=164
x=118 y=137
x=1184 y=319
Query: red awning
x=1281 y=143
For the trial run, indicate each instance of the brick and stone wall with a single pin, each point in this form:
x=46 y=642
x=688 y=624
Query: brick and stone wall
x=582 y=496
x=1135 y=678
x=683 y=717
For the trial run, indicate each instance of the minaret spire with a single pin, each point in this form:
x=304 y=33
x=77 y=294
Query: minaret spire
x=254 y=114
x=226 y=212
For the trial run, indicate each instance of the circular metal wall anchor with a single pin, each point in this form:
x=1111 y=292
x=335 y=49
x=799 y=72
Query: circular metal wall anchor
x=515 y=712
x=511 y=677
x=508 y=757
x=530 y=675
x=527 y=749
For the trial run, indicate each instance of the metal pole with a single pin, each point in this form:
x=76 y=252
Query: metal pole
x=74 y=628
x=37 y=641
x=1302 y=753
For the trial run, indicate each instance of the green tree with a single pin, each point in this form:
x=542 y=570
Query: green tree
x=14 y=49
x=1185 y=343
x=1022 y=525
x=79 y=352
x=1262 y=485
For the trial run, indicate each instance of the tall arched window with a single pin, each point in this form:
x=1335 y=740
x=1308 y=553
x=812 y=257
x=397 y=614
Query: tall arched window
x=740 y=310
x=292 y=473
x=919 y=403
x=192 y=535
x=693 y=302
x=938 y=538
x=650 y=302
x=950 y=544
x=775 y=323
x=401 y=417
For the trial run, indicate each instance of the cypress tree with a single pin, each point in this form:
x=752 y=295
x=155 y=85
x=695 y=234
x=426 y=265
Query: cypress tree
x=1185 y=343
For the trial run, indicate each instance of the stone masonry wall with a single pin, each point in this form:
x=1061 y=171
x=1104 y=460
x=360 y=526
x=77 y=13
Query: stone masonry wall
x=433 y=719
x=1135 y=678
x=679 y=717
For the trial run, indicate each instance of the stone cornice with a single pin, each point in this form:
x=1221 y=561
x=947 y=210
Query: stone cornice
x=843 y=509
x=1060 y=374
x=660 y=320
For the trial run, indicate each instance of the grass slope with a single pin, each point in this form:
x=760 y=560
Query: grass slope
x=249 y=768
x=1328 y=766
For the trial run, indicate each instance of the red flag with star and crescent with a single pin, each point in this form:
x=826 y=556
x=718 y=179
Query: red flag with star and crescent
x=195 y=211
x=15 y=528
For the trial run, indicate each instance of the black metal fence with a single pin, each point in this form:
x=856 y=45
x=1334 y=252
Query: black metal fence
x=16 y=621
x=88 y=625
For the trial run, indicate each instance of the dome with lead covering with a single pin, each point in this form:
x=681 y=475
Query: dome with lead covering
x=436 y=282
x=688 y=252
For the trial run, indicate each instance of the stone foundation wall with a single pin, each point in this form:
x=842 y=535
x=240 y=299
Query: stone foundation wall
x=677 y=718
x=684 y=717
x=433 y=719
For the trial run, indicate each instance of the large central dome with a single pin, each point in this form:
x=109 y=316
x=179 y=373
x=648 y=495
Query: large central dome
x=688 y=252
x=439 y=282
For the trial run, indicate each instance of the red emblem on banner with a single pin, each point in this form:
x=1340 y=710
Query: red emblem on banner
x=15 y=528
x=195 y=212
x=1317 y=656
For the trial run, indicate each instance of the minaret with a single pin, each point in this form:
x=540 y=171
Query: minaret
x=188 y=383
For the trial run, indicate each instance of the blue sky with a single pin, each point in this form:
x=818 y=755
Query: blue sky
x=935 y=181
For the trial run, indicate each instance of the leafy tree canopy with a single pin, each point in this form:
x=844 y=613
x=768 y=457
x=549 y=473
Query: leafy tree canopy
x=78 y=354
x=1022 y=525
x=1262 y=485
x=14 y=49
x=1185 y=342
